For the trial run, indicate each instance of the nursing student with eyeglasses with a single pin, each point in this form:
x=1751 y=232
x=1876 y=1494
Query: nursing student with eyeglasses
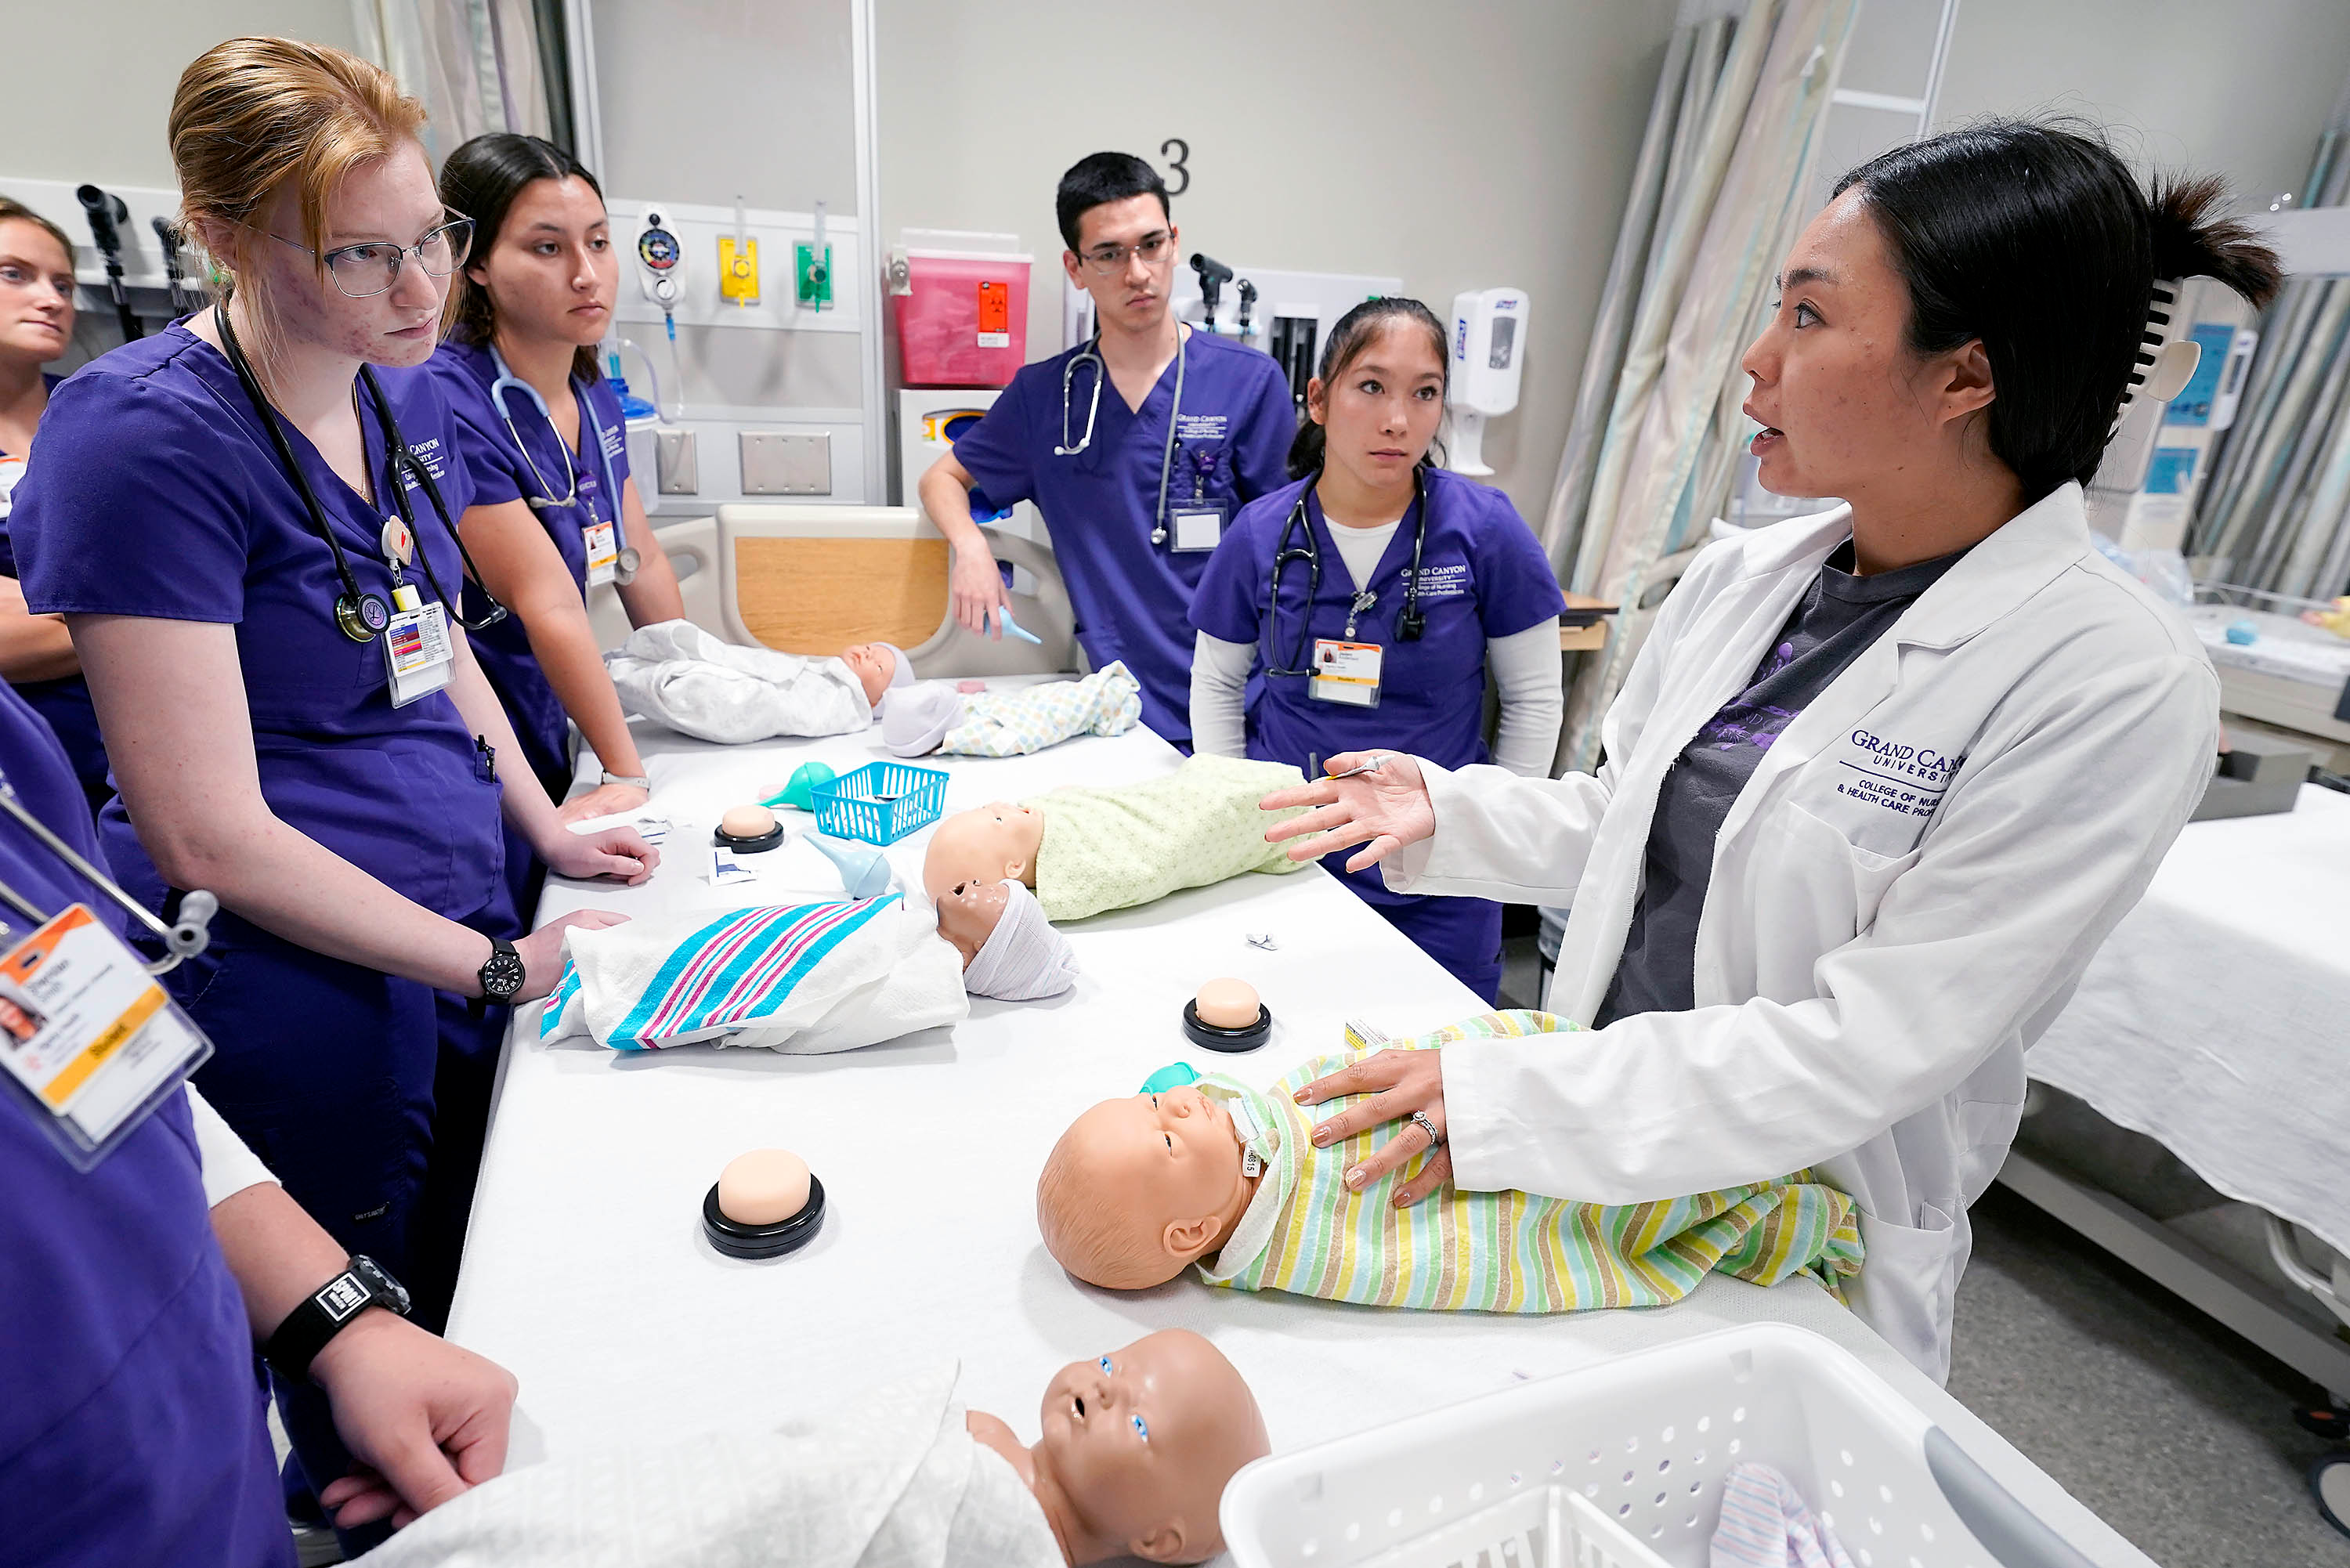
x=1136 y=479
x=263 y=586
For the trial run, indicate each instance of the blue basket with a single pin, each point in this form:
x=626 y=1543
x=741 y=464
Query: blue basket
x=880 y=803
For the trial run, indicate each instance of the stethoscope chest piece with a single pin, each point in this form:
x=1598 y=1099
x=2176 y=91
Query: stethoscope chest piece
x=362 y=617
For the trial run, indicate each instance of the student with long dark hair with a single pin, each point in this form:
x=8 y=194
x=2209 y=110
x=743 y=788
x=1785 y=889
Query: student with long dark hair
x=555 y=509
x=1370 y=596
x=1880 y=780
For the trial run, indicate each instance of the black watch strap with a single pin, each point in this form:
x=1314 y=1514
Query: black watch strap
x=326 y=1310
x=502 y=975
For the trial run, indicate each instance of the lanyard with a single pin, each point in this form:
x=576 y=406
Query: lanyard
x=362 y=617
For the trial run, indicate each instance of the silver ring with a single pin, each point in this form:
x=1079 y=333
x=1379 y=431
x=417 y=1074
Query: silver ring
x=1435 y=1138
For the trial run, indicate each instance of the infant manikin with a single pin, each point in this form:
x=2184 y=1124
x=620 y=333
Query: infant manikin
x=1085 y=850
x=1137 y=1450
x=1218 y=1175
x=700 y=684
x=932 y=716
x=805 y=979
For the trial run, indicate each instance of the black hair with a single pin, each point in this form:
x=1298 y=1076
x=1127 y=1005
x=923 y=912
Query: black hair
x=1356 y=331
x=1101 y=178
x=2035 y=238
x=482 y=180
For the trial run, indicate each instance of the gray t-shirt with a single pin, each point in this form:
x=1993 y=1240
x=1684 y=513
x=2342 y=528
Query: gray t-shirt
x=1839 y=616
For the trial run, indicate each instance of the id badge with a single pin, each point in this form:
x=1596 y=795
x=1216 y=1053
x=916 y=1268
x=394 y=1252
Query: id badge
x=603 y=552
x=416 y=648
x=1196 y=526
x=91 y=1043
x=12 y=470
x=1346 y=672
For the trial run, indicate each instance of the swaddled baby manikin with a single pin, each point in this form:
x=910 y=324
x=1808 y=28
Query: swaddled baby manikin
x=932 y=716
x=805 y=979
x=1137 y=1447
x=1218 y=1175
x=1085 y=850
x=698 y=683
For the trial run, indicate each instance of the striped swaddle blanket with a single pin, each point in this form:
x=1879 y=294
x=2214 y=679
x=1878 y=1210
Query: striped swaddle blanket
x=828 y=976
x=1500 y=1251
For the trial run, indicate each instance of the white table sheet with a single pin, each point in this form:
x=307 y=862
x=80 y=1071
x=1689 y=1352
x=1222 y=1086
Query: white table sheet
x=587 y=1273
x=2213 y=1019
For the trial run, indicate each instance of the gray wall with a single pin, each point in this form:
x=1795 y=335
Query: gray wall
x=2238 y=87
x=1455 y=149
x=92 y=107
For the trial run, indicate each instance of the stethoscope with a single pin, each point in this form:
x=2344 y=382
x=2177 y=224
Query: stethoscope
x=1410 y=624
x=184 y=937
x=361 y=616
x=1092 y=352
x=625 y=565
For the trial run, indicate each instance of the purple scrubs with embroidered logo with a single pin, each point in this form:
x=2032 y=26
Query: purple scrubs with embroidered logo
x=1481 y=576
x=131 y=1427
x=63 y=702
x=161 y=495
x=1133 y=597
x=500 y=471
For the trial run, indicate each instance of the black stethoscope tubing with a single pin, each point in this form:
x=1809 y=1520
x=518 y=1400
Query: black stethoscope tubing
x=361 y=616
x=1410 y=624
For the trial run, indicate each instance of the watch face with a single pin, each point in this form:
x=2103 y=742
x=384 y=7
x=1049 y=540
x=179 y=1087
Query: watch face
x=503 y=974
x=387 y=1290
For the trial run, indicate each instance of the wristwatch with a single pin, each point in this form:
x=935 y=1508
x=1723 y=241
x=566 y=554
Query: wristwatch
x=643 y=784
x=326 y=1310
x=502 y=975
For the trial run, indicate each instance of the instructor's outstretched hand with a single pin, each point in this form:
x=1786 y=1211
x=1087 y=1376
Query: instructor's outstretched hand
x=1383 y=809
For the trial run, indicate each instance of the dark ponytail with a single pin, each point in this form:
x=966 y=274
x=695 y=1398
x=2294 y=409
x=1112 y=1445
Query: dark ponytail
x=1356 y=331
x=2036 y=240
x=482 y=180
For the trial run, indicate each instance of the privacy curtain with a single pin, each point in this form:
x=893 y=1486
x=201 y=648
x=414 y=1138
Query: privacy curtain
x=2277 y=515
x=1716 y=199
x=477 y=65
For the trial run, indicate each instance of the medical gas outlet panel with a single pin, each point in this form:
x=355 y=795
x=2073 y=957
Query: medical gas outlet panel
x=718 y=306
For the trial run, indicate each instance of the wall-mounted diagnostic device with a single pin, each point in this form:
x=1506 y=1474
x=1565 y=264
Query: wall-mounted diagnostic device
x=1489 y=328
x=661 y=272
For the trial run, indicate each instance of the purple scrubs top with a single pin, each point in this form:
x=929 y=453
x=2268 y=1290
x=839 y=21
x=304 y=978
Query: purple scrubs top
x=130 y=1422
x=464 y=372
x=1133 y=598
x=159 y=494
x=1482 y=576
x=65 y=701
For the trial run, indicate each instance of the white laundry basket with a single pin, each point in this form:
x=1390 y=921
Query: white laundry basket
x=1621 y=1466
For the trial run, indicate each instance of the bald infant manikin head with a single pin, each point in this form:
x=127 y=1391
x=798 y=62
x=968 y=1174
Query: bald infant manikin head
x=985 y=844
x=1139 y=1188
x=1137 y=1447
x=879 y=667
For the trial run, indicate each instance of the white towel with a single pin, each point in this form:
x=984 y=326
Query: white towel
x=802 y=978
x=892 y=1481
x=702 y=685
x=1766 y=1523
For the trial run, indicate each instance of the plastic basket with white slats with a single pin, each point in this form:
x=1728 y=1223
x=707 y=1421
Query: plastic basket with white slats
x=1621 y=1466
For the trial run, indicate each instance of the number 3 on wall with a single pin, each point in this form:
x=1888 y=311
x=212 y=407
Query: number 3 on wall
x=1183 y=151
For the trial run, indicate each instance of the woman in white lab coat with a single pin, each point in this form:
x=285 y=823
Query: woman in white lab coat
x=1881 y=779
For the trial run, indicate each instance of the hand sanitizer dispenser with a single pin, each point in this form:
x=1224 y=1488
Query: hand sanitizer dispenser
x=1488 y=329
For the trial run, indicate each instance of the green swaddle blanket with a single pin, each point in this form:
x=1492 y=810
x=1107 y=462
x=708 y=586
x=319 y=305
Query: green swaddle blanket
x=1113 y=848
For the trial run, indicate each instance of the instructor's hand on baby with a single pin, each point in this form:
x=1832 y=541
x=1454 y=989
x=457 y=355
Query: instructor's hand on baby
x=978 y=588
x=542 y=951
x=1384 y=809
x=614 y=852
x=1394 y=1083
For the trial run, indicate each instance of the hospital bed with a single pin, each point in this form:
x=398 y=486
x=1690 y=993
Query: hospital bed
x=815 y=579
x=585 y=1273
x=2191 y=1108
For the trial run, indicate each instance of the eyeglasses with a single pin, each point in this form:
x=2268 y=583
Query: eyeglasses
x=1108 y=260
x=364 y=271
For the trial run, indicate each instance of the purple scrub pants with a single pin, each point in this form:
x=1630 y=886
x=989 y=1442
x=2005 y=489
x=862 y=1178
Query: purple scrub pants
x=1464 y=935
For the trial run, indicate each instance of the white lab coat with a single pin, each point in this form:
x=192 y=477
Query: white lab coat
x=1869 y=970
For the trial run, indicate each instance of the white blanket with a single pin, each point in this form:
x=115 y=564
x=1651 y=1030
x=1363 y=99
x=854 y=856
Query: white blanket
x=893 y=1481
x=700 y=684
x=799 y=978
